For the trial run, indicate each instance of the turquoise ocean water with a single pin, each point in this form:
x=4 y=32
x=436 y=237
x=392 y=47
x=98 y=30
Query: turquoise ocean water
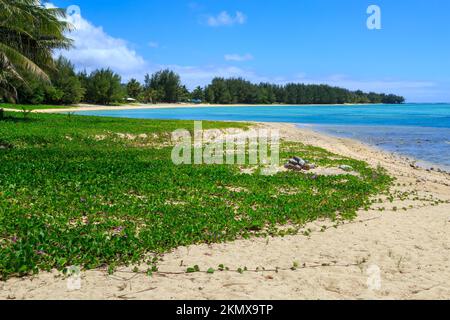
x=421 y=131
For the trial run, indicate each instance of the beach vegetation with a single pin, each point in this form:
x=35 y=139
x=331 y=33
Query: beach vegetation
x=16 y=106
x=164 y=86
x=65 y=87
x=103 y=192
x=66 y=83
x=184 y=95
x=240 y=91
x=198 y=94
x=134 y=89
x=104 y=87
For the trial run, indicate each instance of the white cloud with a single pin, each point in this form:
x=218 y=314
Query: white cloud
x=194 y=76
x=94 y=48
x=153 y=44
x=225 y=19
x=238 y=58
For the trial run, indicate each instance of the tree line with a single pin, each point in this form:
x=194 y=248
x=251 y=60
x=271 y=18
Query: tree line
x=102 y=86
x=240 y=91
x=105 y=87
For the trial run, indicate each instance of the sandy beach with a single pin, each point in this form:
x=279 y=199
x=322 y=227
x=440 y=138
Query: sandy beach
x=408 y=244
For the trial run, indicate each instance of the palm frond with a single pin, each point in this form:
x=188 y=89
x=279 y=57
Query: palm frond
x=21 y=61
x=29 y=33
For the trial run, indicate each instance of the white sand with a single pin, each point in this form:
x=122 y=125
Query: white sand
x=411 y=249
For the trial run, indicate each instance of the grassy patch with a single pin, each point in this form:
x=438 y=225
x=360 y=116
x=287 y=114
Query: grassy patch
x=32 y=107
x=73 y=192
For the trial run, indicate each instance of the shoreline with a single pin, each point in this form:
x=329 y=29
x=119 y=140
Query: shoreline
x=90 y=107
x=419 y=163
x=427 y=165
x=410 y=247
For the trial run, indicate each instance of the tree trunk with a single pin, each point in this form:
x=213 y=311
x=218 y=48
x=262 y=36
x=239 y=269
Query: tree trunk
x=1 y=113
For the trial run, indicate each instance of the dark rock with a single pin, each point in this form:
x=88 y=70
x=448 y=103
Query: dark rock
x=289 y=166
x=308 y=167
x=298 y=164
x=299 y=161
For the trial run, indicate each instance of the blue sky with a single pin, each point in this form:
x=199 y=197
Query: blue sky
x=311 y=41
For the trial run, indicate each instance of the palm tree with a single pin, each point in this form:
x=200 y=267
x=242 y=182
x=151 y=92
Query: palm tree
x=29 y=32
x=8 y=75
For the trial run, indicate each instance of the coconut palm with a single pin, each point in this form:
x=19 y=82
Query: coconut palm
x=8 y=75
x=29 y=32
